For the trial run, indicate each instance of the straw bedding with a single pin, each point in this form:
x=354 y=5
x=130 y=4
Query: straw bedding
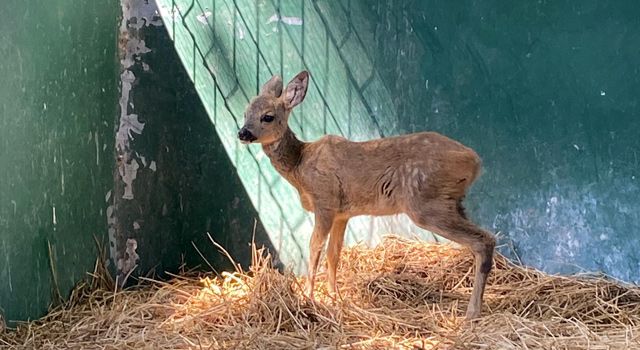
x=402 y=294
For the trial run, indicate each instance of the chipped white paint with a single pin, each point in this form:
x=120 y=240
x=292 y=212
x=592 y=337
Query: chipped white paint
x=143 y=13
x=111 y=222
x=128 y=173
x=133 y=49
x=129 y=125
x=202 y=18
x=110 y=211
x=152 y=166
x=136 y=225
x=294 y=21
x=136 y=14
x=55 y=220
x=143 y=159
x=129 y=262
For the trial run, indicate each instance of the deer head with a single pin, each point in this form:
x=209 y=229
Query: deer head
x=266 y=116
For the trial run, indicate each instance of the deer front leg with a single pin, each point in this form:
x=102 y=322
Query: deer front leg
x=321 y=229
x=336 y=239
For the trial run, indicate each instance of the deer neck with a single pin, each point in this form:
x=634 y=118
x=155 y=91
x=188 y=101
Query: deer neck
x=285 y=153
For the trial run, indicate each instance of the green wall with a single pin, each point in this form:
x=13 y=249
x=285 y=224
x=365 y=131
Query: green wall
x=544 y=91
x=547 y=93
x=57 y=105
x=90 y=87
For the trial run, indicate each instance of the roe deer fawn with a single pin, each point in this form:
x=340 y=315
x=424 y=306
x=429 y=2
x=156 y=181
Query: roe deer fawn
x=424 y=175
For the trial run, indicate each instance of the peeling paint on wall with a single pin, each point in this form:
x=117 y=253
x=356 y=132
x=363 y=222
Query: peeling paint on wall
x=141 y=13
x=136 y=14
x=128 y=262
x=129 y=124
x=111 y=230
x=128 y=172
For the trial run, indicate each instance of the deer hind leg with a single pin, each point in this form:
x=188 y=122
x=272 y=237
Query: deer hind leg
x=336 y=239
x=323 y=222
x=448 y=220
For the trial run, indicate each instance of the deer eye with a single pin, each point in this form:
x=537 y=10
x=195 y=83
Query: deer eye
x=267 y=118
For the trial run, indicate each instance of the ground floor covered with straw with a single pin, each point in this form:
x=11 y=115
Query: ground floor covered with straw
x=402 y=294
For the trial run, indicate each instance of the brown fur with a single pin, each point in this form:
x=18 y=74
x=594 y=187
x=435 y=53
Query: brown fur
x=424 y=175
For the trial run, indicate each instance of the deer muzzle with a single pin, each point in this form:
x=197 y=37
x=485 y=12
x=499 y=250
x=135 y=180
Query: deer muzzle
x=246 y=136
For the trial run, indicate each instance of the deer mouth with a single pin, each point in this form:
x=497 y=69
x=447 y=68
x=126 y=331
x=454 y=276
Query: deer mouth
x=246 y=136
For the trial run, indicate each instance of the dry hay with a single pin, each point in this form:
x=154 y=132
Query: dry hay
x=401 y=294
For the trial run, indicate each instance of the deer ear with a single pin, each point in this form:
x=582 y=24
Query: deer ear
x=296 y=90
x=273 y=87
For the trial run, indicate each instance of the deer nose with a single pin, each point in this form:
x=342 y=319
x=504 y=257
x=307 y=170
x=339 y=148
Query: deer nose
x=245 y=135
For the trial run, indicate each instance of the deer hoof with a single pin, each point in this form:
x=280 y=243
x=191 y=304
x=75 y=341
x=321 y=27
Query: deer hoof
x=472 y=314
